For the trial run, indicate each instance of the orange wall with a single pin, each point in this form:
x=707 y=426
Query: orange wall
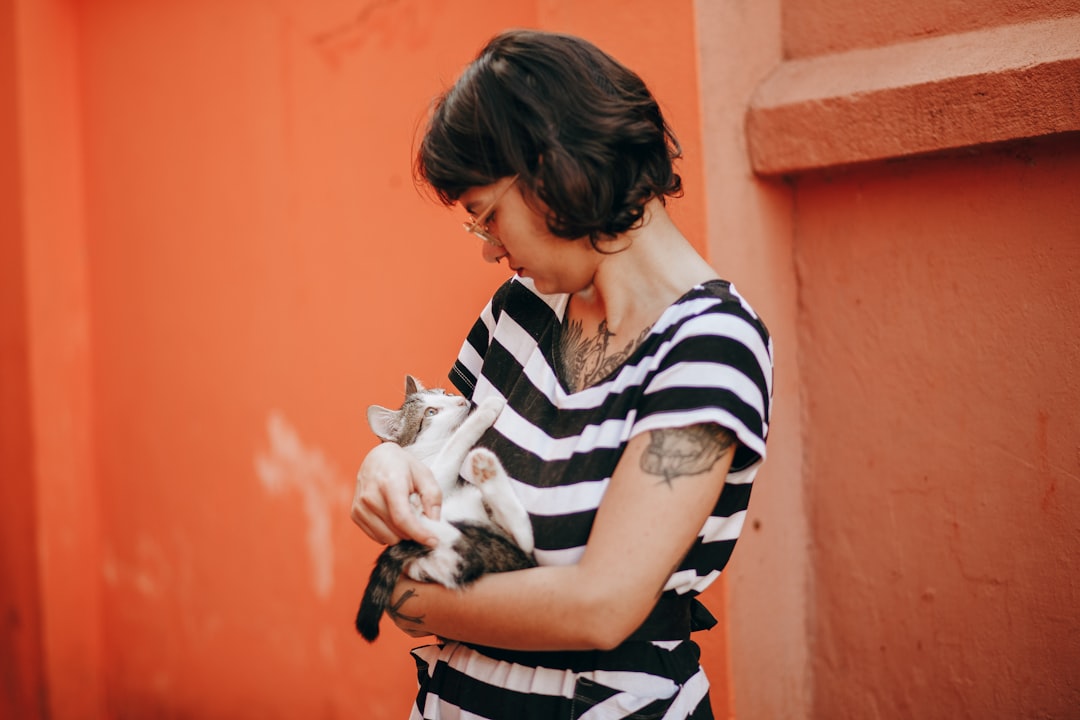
x=939 y=299
x=939 y=348
x=22 y=672
x=813 y=27
x=751 y=236
x=217 y=261
x=912 y=544
x=48 y=288
x=212 y=258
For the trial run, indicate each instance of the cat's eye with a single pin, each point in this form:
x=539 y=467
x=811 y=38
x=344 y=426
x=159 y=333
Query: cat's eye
x=431 y=412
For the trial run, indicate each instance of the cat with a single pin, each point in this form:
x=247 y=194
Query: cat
x=483 y=526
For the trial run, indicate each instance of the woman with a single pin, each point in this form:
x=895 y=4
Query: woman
x=637 y=386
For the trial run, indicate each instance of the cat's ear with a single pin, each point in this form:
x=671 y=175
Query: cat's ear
x=384 y=422
x=412 y=385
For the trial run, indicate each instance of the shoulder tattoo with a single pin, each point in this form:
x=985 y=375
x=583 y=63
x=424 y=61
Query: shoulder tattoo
x=675 y=452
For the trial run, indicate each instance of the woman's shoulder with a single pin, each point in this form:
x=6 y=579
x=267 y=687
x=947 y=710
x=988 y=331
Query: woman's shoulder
x=713 y=306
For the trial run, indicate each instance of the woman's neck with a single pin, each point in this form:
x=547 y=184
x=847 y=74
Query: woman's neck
x=656 y=266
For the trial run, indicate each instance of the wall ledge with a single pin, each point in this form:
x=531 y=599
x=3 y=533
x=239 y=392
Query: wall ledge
x=914 y=98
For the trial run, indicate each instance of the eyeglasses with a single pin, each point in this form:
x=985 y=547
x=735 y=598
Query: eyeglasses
x=478 y=225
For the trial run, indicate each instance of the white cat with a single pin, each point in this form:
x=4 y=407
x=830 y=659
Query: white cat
x=482 y=528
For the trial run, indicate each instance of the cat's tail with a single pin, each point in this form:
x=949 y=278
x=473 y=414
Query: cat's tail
x=388 y=568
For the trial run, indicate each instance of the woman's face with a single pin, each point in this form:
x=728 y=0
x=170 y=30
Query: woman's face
x=554 y=264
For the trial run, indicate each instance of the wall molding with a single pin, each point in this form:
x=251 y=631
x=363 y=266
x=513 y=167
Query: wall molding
x=925 y=96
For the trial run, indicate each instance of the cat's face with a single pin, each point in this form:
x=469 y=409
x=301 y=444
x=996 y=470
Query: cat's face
x=428 y=413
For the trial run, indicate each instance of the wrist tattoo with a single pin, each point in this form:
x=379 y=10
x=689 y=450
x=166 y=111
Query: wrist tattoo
x=395 y=612
x=674 y=452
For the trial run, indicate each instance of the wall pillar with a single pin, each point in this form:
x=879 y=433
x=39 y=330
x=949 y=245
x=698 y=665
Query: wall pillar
x=52 y=261
x=22 y=679
x=751 y=240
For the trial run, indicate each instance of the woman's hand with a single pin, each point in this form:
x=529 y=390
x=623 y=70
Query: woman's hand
x=381 y=506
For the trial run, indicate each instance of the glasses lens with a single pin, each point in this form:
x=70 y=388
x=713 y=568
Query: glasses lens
x=478 y=228
x=473 y=229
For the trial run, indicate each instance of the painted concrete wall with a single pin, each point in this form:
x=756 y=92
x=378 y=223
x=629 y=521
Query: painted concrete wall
x=913 y=549
x=262 y=269
x=816 y=27
x=751 y=232
x=207 y=218
x=48 y=261
x=213 y=260
x=938 y=348
x=939 y=299
x=21 y=662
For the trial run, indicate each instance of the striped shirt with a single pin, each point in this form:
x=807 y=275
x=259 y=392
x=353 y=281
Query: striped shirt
x=707 y=359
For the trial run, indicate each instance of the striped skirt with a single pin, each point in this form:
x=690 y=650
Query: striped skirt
x=637 y=680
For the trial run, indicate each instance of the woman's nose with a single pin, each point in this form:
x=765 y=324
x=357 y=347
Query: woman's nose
x=490 y=253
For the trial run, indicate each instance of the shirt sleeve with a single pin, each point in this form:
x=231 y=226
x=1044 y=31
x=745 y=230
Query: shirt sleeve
x=716 y=367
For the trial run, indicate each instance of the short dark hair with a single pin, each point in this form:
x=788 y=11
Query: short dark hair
x=582 y=132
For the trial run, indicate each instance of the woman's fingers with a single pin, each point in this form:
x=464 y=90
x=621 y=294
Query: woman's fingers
x=401 y=517
x=369 y=517
x=381 y=505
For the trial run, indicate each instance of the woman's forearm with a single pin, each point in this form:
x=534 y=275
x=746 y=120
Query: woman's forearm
x=544 y=608
x=642 y=530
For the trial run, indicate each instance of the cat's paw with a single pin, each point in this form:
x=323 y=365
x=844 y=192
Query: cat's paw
x=480 y=466
x=491 y=406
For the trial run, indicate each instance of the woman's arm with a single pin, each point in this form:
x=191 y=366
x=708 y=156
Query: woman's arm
x=661 y=493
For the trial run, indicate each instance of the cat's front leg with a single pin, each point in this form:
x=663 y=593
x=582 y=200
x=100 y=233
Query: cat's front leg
x=447 y=464
x=485 y=414
x=483 y=469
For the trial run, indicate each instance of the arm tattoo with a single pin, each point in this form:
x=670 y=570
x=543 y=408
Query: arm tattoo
x=673 y=452
x=394 y=610
x=585 y=361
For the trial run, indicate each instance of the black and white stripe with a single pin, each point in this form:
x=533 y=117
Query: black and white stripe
x=708 y=359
